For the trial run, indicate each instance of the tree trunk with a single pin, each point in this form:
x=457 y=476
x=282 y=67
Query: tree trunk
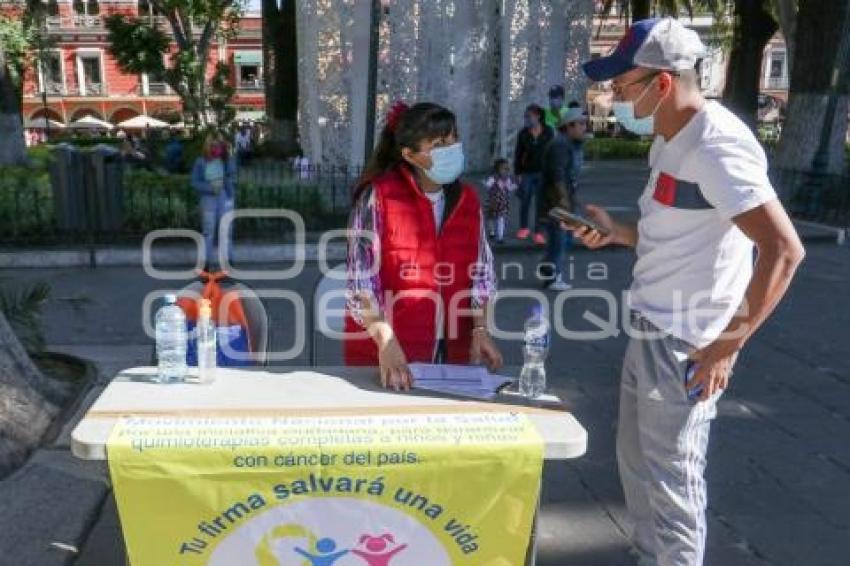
x=753 y=28
x=13 y=149
x=25 y=414
x=280 y=54
x=786 y=11
x=641 y=10
x=807 y=125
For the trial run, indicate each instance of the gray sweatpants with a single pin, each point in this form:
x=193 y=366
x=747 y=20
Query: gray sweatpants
x=662 y=439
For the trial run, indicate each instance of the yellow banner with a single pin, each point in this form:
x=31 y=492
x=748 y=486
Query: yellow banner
x=377 y=490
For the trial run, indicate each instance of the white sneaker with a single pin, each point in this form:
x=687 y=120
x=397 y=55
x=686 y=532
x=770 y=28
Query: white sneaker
x=560 y=285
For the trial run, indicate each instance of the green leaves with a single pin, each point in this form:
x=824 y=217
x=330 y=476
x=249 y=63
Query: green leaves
x=221 y=93
x=137 y=46
x=21 y=38
x=140 y=47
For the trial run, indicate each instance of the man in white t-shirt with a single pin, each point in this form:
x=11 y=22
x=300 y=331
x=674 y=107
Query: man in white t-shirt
x=697 y=295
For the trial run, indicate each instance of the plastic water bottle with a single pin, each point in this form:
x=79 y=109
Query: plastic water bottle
x=532 y=378
x=171 y=342
x=206 y=344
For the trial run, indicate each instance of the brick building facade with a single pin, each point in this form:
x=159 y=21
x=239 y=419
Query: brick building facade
x=81 y=78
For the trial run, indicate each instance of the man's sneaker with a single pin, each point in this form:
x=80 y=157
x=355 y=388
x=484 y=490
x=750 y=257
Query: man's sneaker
x=560 y=285
x=540 y=239
x=522 y=234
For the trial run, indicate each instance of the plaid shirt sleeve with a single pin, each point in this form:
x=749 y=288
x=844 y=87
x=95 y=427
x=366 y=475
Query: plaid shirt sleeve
x=484 y=275
x=364 y=249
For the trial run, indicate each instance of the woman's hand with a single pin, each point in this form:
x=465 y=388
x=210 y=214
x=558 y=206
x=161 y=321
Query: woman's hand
x=394 y=372
x=484 y=350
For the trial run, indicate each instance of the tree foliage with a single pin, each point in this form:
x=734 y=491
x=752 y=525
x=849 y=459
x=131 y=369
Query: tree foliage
x=222 y=92
x=140 y=46
x=16 y=41
x=137 y=48
x=23 y=39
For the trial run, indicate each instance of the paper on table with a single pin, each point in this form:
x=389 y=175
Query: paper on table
x=466 y=381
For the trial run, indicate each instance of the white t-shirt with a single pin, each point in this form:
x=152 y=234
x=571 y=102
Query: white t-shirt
x=693 y=263
x=438 y=206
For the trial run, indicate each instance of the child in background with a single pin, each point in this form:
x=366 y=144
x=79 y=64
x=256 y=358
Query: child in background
x=499 y=187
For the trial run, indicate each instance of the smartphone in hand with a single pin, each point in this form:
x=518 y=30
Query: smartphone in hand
x=690 y=370
x=574 y=220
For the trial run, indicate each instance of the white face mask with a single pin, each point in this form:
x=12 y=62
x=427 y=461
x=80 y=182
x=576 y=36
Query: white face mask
x=625 y=114
x=446 y=164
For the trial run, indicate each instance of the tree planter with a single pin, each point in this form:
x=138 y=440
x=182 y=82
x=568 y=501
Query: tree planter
x=27 y=419
x=76 y=376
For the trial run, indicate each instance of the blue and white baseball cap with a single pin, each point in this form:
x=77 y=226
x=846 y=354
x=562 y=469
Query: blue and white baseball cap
x=657 y=43
x=569 y=115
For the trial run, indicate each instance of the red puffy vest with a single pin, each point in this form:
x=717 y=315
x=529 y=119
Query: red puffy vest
x=417 y=266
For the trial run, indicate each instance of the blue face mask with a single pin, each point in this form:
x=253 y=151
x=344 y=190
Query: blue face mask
x=446 y=164
x=625 y=114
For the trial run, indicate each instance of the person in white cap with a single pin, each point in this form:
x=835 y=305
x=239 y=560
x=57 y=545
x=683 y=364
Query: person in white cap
x=696 y=297
x=562 y=161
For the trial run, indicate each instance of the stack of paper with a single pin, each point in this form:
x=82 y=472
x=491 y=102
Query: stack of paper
x=466 y=381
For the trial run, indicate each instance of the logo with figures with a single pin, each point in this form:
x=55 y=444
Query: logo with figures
x=331 y=532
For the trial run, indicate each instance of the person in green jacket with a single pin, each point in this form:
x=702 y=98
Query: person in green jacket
x=556 y=104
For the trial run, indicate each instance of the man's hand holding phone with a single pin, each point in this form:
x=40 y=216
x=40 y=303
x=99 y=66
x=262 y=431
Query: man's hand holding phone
x=596 y=231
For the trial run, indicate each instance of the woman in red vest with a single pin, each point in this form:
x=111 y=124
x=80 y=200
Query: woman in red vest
x=420 y=270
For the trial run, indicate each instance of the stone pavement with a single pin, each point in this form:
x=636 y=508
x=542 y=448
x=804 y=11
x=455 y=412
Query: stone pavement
x=779 y=461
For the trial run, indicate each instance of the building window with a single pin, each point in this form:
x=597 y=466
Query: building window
x=777 y=71
x=249 y=77
x=53 y=20
x=86 y=13
x=51 y=75
x=147 y=9
x=90 y=74
x=86 y=7
x=249 y=70
x=152 y=87
x=777 y=65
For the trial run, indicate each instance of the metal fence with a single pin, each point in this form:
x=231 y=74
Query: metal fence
x=84 y=201
x=331 y=184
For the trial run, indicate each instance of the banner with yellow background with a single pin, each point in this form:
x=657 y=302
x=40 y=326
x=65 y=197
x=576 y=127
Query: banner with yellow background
x=376 y=490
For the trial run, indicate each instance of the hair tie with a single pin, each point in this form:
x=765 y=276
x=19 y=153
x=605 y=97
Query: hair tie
x=397 y=110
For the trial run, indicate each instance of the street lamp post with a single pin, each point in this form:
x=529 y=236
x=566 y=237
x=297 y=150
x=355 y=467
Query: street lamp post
x=372 y=78
x=46 y=115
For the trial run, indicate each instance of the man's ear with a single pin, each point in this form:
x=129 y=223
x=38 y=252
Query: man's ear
x=665 y=82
